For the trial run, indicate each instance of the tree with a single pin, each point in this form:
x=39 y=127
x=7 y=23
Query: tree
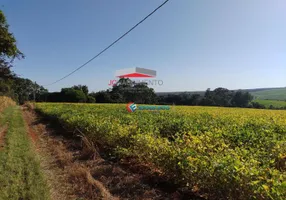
x=8 y=47
x=181 y=99
x=208 y=99
x=126 y=91
x=222 y=96
x=5 y=88
x=5 y=71
x=141 y=93
x=123 y=83
x=173 y=99
x=117 y=97
x=195 y=99
x=26 y=90
x=102 y=96
x=90 y=99
x=8 y=52
x=83 y=88
x=6 y=79
x=54 y=97
x=241 y=99
x=72 y=95
x=256 y=105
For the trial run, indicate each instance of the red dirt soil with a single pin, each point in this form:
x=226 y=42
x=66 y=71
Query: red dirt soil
x=33 y=135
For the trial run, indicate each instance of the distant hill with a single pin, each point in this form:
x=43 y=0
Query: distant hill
x=275 y=103
x=258 y=93
x=270 y=94
x=188 y=92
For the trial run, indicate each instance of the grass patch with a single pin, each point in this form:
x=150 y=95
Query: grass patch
x=20 y=176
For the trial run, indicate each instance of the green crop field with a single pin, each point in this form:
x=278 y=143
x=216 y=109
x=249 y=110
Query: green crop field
x=275 y=103
x=223 y=153
x=270 y=94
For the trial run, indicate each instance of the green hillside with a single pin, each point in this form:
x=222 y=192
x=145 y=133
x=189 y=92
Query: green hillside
x=268 y=103
x=258 y=93
x=271 y=94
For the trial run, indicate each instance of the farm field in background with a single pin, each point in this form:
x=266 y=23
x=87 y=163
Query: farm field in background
x=271 y=93
x=220 y=152
x=275 y=103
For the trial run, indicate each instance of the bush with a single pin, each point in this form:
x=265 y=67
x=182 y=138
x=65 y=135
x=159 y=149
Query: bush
x=257 y=105
x=73 y=95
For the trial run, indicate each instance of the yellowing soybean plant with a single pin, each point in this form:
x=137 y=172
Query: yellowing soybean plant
x=225 y=153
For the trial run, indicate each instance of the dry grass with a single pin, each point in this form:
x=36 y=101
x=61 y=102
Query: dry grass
x=83 y=174
x=63 y=157
x=5 y=102
x=103 y=191
x=89 y=149
x=30 y=105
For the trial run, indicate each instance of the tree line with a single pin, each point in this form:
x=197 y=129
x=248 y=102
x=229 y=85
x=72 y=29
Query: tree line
x=127 y=90
x=124 y=93
x=218 y=97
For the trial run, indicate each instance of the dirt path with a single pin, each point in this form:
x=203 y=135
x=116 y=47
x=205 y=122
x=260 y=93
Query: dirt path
x=76 y=172
x=47 y=147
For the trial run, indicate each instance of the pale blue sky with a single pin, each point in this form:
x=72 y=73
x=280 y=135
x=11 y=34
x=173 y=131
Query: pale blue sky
x=192 y=44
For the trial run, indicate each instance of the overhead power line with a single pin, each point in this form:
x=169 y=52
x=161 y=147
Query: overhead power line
x=113 y=43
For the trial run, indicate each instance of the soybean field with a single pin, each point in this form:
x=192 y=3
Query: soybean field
x=218 y=153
